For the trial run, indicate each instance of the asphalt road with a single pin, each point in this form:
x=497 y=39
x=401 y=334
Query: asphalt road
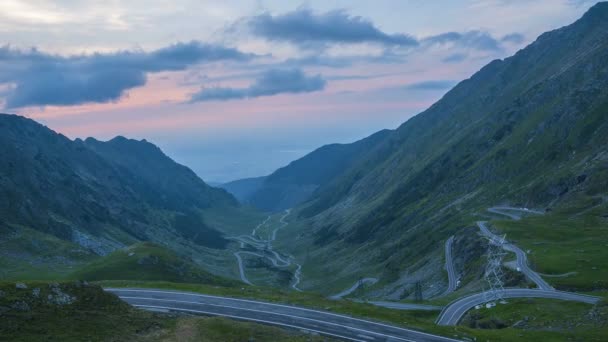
x=354 y=287
x=241 y=268
x=406 y=306
x=453 y=312
x=522 y=258
x=321 y=322
x=449 y=267
x=511 y=211
x=265 y=248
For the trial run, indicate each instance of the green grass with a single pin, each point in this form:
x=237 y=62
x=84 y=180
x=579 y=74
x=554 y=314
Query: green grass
x=147 y=261
x=552 y=319
x=27 y=254
x=233 y=221
x=562 y=243
x=95 y=315
x=221 y=329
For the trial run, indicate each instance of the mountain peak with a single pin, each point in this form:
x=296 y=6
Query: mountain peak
x=599 y=10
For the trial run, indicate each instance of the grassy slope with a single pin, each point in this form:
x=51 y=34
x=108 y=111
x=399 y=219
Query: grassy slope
x=147 y=261
x=29 y=254
x=233 y=221
x=561 y=243
x=573 y=321
x=96 y=315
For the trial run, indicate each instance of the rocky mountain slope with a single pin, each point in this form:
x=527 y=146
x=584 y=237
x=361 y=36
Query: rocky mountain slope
x=530 y=130
x=101 y=196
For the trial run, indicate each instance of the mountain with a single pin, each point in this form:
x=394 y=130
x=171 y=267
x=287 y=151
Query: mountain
x=242 y=189
x=296 y=182
x=530 y=130
x=101 y=196
x=163 y=181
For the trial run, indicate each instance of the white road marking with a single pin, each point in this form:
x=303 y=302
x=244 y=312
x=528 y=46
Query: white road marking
x=272 y=313
x=248 y=319
x=285 y=306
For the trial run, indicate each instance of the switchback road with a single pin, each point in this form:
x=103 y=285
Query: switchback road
x=522 y=258
x=453 y=312
x=449 y=267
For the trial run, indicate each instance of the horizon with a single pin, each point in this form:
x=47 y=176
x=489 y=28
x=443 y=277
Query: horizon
x=253 y=87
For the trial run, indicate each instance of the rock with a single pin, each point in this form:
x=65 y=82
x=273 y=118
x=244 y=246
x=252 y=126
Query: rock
x=21 y=286
x=1 y=293
x=21 y=306
x=36 y=292
x=59 y=297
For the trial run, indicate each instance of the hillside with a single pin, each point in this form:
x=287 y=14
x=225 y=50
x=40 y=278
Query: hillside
x=530 y=130
x=147 y=261
x=242 y=189
x=298 y=181
x=95 y=197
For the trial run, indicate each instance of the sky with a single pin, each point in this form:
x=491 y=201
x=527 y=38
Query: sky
x=236 y=89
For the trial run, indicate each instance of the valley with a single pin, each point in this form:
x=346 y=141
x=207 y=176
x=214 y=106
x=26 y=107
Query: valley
x=483 y=217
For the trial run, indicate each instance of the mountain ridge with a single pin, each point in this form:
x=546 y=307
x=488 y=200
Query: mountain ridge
x=528 y=130
x=102 y=195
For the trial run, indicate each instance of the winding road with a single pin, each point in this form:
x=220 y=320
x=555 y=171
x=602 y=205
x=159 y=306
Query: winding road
x=449 y=267
x=508 y=211
x=241 y=268
x=453 y=312
x=354 y=287
x=264 y=248
x=522 y=258
x=316 y=321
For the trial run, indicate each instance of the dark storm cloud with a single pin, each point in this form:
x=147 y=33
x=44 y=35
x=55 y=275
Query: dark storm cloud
x=271 y=82
x=39 y=79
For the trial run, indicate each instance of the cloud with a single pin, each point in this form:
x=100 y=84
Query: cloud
x=39 y=79
x=271 y=82
x=454 y=58
x=478 y=40
x=432 y=85
x=514 y=38
x=303 y=26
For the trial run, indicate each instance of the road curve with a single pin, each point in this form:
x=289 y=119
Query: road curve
x=522 y=258
x=265 y=247
x=297 y=278
x=321 y=322
x=354 y=287
x=453 y=312
x=449 y=267
x=508 y=211
x=241 y=268
x=283 y=225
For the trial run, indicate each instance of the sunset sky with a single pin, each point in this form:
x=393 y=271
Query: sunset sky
x=236 y=89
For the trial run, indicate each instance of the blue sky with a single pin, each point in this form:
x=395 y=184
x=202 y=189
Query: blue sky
x=237 y=89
